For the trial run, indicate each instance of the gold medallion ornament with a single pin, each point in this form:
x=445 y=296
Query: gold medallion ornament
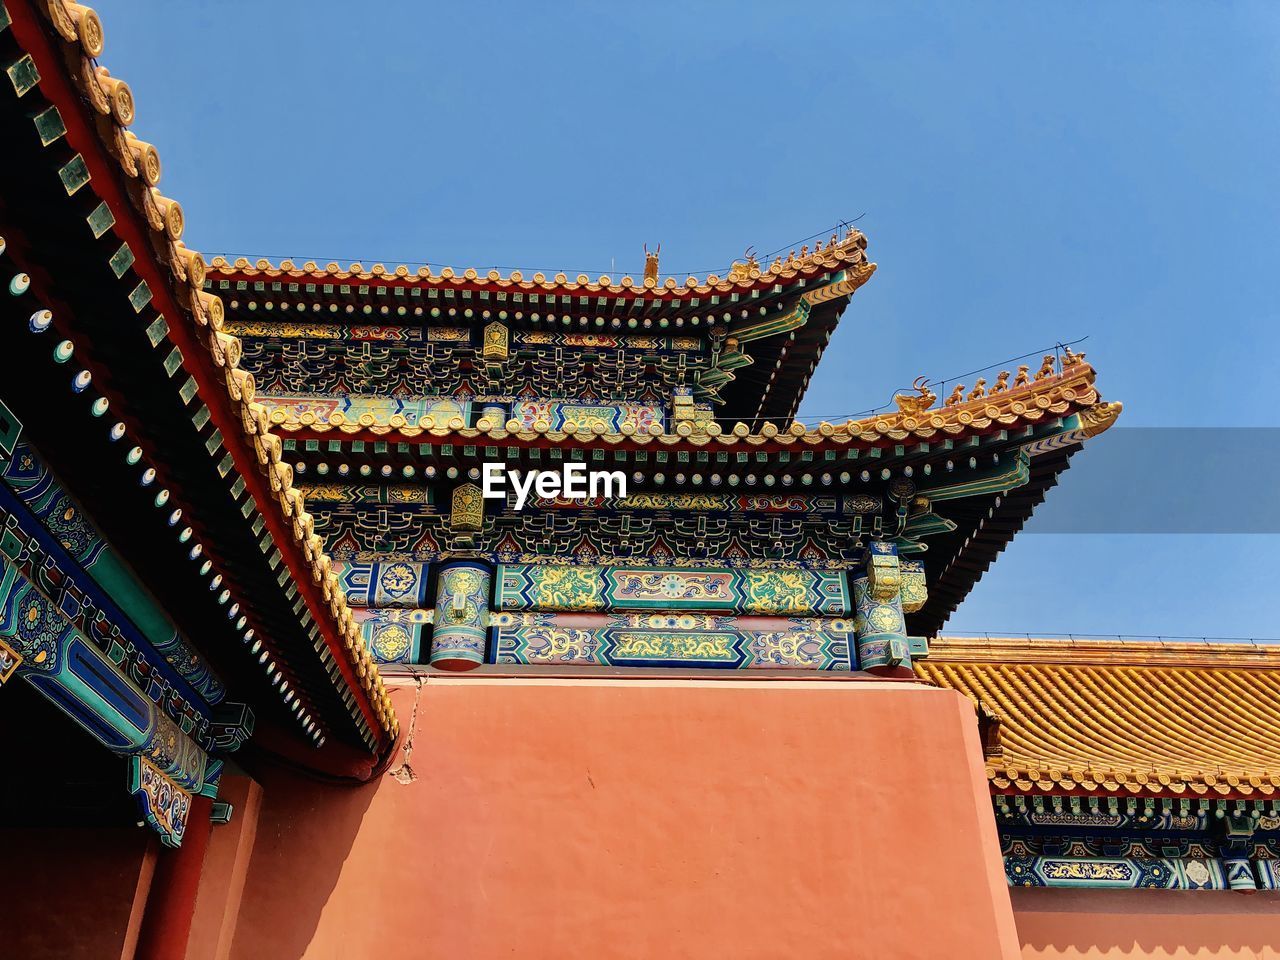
x=496 y=341
x=468 y=508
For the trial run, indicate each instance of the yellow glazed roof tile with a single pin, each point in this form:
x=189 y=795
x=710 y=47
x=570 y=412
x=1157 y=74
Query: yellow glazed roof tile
x=1068 y=391
x=839 y=253
x=1190 y=719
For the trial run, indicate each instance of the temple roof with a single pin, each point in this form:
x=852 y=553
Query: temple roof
x=90 y=112
x=980 y=466
x=1152 y=718
x=1069 y=391
x=741 y=277
x=756 y=334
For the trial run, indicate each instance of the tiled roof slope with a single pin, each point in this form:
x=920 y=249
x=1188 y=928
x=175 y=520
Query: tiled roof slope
x=1057 y=395
x=1126 y=717
x=847 y=251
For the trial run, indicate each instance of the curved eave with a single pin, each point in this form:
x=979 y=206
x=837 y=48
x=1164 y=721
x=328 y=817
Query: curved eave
x=62 y=42
x=984 y=527
x=775 y=382
x=845 y=252
x=1064 y=407
x=1060 y=395
x=784 y=318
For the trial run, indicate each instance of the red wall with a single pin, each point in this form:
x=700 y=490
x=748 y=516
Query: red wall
x=69 y=893
x=1129 y=924
x=644 y=818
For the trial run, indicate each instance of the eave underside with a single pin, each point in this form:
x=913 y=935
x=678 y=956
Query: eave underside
x=956 y=561
x=67 y=209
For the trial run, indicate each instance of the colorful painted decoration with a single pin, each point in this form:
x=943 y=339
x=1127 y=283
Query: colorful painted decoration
x=570 y=588
x=355 y=532
x=1160 y=873
x=397 y=583
x=879 y=622
x=290 y=330
x=9 y=660
x=602 y=417
x=914 y=591
x=497 y=339
x=393 y=635
x=461 y=616
x=1138 y=843
x=10 y=431
x=740 y=503
x=163 y=804
x=60 y=662
x=309 y=359
x=413 y=411
x=468 y=508
x=672 y=639
x=599 y=341
x=391 y=494
x=36 y=557
x=1268 y=871
x=40 y=493
x=884 y=575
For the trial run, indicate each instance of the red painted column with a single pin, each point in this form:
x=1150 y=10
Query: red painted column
x=226 y=865
x=166 y=925
x=141 y=892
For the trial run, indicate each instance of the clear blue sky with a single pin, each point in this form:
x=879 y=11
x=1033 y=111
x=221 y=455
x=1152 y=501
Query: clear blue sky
x=1029 y=172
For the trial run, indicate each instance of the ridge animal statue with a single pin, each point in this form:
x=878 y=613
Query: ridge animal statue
x=1023 y=377
x=1046 y=367
x=979 y=389
x=957 y=396
x=923 y=399
x=742 y=269
x=1002 y=382
x=651 y=263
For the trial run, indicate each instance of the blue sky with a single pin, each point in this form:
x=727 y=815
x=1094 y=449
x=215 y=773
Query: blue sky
x=1025 y=172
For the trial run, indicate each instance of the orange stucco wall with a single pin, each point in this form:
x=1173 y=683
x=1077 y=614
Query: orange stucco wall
x=1133 y=924
x=643 y=818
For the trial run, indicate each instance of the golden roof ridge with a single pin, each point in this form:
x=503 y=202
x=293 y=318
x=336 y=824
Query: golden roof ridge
x=840 y=252
x=1060 y=394
x=1094 y=650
